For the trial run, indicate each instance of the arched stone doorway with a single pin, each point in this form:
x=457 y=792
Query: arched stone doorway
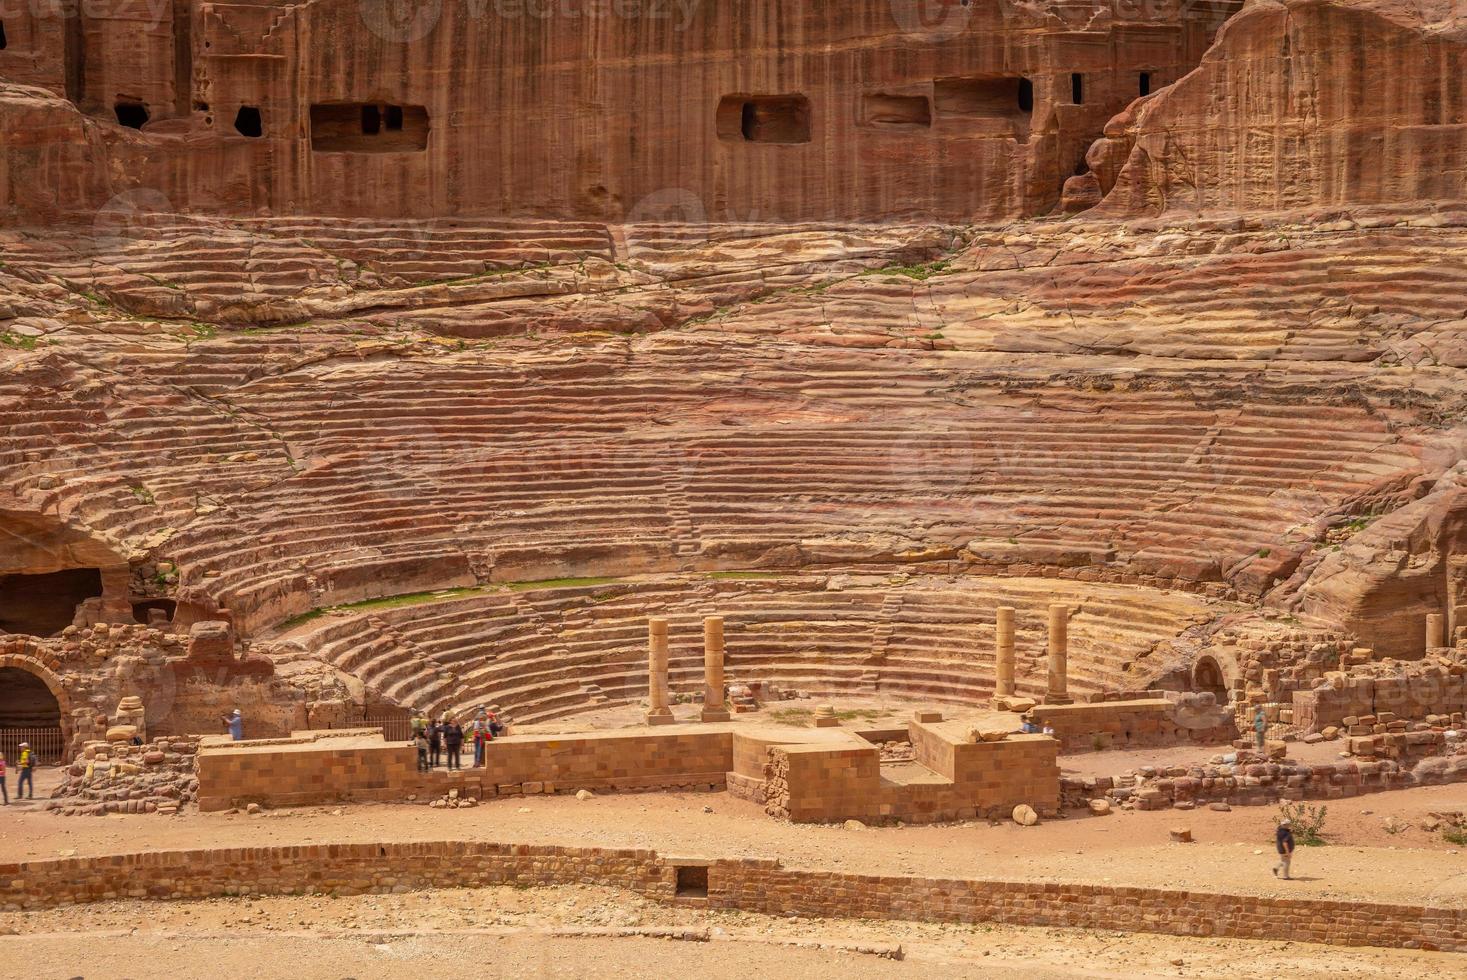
x=1207 y=675
x=34 y=708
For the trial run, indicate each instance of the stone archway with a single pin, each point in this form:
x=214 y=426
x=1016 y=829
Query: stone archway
x=1208 y=675
x=38 y=676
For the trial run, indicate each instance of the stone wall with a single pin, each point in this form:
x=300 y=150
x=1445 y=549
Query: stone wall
x=1252 y=781
x=951 y=777
x=744 y=884
x=1135 y=724
x=1413 y=691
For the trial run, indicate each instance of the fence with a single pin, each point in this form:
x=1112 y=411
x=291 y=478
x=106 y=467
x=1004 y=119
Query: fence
x=395 y=728
x=47 y=744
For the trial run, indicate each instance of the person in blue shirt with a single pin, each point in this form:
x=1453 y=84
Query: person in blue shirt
x=236 y=725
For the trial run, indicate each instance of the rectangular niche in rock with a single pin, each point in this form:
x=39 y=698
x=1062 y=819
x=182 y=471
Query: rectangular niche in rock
x=764 y=118
x=367 y=127
x=896 y=111
x=998 y=105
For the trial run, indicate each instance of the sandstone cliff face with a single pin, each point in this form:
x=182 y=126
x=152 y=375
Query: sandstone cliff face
x=1383 y=582
x=777 y=111
x=1302 y=103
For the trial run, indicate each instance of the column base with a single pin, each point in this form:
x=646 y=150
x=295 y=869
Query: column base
x=660 y=716
x=1058 y=699
x=716 y=714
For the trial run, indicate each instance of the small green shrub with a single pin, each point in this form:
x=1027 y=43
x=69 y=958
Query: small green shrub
x=1306 y=821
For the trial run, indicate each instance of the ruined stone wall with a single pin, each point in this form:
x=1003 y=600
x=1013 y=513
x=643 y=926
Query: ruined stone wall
x=1133 y=724
x=1251 y=781
x=743 y=111
x=742 y=884
x=186 y=683
x=1416 y=692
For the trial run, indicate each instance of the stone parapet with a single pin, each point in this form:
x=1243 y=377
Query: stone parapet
x=747 y=884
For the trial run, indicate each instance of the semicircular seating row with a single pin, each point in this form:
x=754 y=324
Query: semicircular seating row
x=548 y=653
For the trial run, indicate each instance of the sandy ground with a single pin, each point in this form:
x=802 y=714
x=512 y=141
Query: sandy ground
x=534 y=933
x=1364 y=862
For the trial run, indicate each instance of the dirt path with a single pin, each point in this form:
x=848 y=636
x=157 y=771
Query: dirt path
x=516 y=932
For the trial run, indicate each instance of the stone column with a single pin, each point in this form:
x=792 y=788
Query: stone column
x=1004 y=687
x=713 y=707
x=658 y=712
x=1059 y=649
x=1436 y=631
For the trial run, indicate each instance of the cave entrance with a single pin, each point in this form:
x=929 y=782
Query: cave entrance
x=30 y=713
x=3 y=42
x=133 y=115
x=247 y=122
x=44 y=605
x=1208 y=676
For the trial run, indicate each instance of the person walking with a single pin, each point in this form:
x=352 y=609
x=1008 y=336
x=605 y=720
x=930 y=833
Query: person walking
x=453 y=740
x=3 y=791
x=235 y=722
x=435 y=743
x=1260 y=728
x=420 y=739
x=1284 y=841
x=27 y=773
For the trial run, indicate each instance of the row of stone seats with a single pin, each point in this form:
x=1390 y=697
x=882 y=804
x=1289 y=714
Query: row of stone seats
x=547 y=652
x=547 y=458
x=137 y=251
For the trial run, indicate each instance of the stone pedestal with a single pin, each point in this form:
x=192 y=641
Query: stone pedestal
x=658 y=712
x=825 y=717
x=1436 y=631
x=130 y=713
x=713 y=707
x=1004 y=662
x=1059 y=651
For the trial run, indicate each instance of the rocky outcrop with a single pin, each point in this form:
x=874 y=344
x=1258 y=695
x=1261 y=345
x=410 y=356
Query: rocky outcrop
x=1302 y=103
x=1382 y=583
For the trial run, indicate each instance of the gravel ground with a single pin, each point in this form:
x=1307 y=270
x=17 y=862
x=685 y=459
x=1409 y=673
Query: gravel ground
x=543 y=933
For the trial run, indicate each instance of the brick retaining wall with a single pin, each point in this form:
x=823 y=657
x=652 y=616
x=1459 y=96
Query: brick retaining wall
x=744 y=884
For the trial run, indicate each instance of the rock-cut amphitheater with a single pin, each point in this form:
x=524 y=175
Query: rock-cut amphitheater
x=915 y=479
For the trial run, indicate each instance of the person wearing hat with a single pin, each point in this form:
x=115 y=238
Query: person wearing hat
x=27 y=773
x=236 y=725
x=1284 y=840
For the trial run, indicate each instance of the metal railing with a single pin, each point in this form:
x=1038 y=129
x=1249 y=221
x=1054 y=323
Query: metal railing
x=47 y=743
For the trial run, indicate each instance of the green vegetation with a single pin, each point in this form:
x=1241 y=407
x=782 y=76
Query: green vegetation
x=386 y=602
x=803 y=716
x=18 y=341
x=1264 y=552
x=558 y=583
x=1306 y=821
x=921 y=271
x=1456 y=834
x=143 y=493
